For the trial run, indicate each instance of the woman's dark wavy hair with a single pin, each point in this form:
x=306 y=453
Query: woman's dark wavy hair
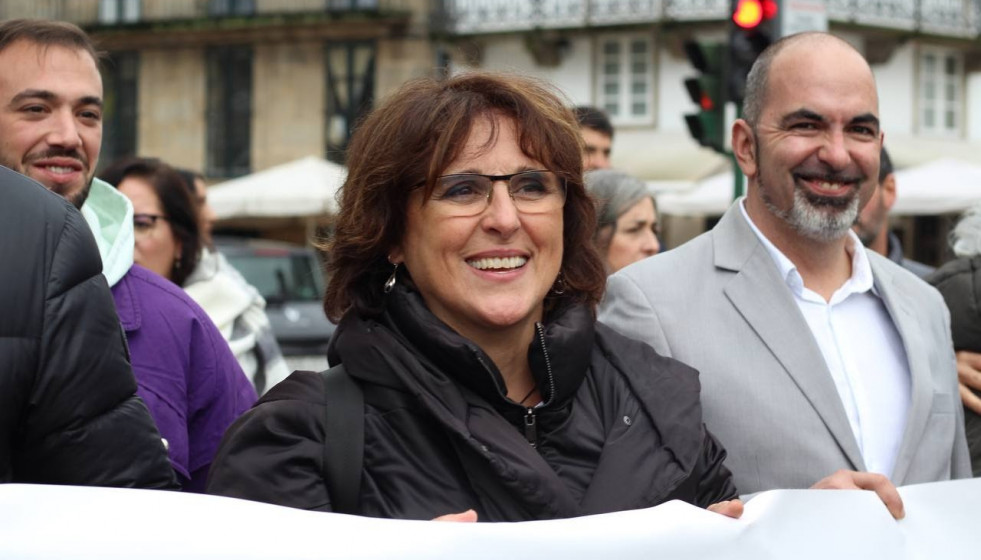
x=410 y=139
x=178 y=206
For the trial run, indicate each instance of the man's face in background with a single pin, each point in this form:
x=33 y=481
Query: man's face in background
x=596 y=154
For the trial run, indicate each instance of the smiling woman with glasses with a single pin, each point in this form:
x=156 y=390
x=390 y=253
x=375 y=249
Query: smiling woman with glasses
x=465 y=284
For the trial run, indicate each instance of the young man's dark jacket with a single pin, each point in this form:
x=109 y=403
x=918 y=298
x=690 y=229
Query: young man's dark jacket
x=69 y=413
x=620 y=427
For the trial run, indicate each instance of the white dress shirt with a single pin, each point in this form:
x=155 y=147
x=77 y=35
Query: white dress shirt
x=862 y=349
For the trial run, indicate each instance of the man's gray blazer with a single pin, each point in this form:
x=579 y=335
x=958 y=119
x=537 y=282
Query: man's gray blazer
x=718 y=303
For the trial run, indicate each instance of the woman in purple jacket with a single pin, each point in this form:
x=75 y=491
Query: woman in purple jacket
x=186 y=372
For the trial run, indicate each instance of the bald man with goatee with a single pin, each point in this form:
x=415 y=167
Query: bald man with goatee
x=822 y=364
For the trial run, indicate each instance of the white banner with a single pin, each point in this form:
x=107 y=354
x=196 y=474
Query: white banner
x=942 y=521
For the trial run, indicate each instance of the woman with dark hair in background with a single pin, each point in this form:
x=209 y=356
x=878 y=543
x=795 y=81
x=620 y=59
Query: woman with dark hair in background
x=465 y=283
x=627 y=228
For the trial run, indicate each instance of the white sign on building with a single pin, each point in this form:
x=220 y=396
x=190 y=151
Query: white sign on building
x=803 y=15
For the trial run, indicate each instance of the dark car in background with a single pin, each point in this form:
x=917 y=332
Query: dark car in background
x=289 y=277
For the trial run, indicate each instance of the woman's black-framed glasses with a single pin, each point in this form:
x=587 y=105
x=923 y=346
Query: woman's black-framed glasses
x=469 y=194
x=144 y=223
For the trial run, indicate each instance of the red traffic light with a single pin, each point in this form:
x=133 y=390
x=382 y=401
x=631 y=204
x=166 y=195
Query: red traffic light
x=769 y=9
x=748 y=14
x=706 y=102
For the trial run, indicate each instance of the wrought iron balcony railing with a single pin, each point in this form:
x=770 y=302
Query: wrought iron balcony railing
x=121 y=12
x=957 y=18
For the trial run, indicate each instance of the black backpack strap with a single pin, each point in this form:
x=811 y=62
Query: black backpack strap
x=344 y=441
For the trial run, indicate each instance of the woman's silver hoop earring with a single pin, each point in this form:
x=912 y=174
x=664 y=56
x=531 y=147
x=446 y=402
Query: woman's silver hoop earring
x=390 y=283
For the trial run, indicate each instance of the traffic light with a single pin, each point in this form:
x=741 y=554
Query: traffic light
x=707 y=126
x=754 y=25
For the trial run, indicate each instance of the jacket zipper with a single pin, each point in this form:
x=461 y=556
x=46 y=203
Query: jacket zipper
x=531 y=423
x=548 y=363
x=531 y=428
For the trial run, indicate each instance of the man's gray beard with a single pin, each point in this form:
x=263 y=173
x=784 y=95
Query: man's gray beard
x=816 y=221
x=822 y=223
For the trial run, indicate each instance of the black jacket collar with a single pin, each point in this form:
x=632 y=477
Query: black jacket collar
x=567 y=334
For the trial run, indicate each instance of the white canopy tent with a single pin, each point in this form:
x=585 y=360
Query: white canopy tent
x=303 y=188
x=942 y=186
x=708 y=197
x=938 y=187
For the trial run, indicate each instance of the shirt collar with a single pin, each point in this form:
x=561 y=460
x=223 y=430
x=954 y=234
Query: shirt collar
x=860 y=281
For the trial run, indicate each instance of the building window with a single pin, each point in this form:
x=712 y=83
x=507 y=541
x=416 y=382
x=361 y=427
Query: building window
x=625 y=74
x=351 y=5
x=119 y=11
x=941 y=95
x=120 y=76
x=229 y=111
x=350 y=91
x=231 y=7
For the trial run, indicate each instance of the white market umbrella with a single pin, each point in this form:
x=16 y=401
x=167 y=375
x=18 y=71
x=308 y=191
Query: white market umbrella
x=939 y=187
x=708 y=197
x=302 y=188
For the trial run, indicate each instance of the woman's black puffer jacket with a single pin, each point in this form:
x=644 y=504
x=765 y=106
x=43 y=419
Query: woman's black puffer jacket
x=620 y=427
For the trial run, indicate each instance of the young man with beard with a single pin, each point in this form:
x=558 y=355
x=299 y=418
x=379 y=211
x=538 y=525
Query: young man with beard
x=816 y=356
x=51 y=131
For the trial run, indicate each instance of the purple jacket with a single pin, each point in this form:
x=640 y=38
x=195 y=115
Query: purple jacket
x=186 y=373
